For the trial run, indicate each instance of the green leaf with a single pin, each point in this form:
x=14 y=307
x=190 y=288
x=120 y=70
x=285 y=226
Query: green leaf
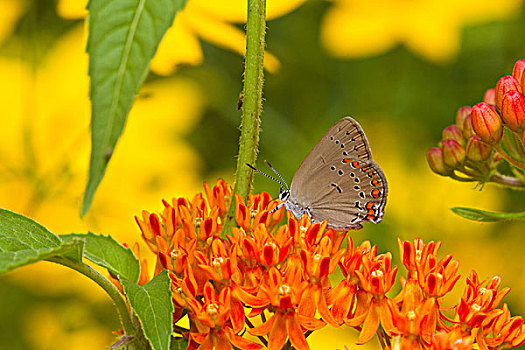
x=485 y=216
x=153 y=306
x=24 y=241
x=179 y=343
x=123 y=37
x=106 y=252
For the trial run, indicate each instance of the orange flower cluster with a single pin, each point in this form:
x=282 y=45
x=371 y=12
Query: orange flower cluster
x=485 y=134
x=279 y=273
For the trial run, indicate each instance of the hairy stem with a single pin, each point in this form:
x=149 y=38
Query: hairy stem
x=251 y=104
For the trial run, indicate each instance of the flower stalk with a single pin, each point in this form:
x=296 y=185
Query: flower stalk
x=122 y=309
x=251 y=104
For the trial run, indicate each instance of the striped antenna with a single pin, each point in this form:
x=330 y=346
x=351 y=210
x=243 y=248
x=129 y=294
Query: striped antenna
x=283 y=183
x=275 y=171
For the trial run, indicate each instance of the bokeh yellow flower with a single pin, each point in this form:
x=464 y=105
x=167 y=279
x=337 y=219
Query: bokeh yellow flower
x=10 y=12
x=44 y=151
x=431 y=29
x=212 y=21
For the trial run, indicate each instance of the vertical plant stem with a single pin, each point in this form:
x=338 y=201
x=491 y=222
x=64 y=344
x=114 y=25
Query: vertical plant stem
x=251 y=104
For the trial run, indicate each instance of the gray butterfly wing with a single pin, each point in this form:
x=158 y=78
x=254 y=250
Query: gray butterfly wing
x=338 y=181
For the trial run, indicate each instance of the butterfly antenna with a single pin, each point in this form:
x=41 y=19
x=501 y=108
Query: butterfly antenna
x=268 y=176
x=275 y=171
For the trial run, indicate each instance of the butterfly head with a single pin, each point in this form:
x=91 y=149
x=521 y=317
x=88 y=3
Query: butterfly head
x=284 y=194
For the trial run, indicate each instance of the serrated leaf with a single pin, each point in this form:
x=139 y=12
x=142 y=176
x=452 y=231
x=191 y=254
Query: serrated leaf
x=153 y=306
x=24 y=241
x=123 y=37
x=108 y=253
x=485 y=216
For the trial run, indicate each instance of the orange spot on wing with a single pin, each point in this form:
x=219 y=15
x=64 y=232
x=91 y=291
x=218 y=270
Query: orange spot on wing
x=376 y=193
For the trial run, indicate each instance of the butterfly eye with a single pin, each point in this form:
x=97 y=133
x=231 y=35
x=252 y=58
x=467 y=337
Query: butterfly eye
x=284 y=195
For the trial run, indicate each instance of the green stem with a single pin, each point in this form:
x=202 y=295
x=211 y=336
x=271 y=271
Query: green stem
x=508 y=158
x=251 y=104
x=507 y=181
x=113 y=292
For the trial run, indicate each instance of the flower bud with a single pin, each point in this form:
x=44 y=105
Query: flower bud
x=478 y=150
x=461 y=114
x=487 y=123
x=467 y=129
x=452 y=132
x=513 y=110
x=506 y=83
x=517 y=72
x=453 y=153
x=435 y=160
x=490 y=97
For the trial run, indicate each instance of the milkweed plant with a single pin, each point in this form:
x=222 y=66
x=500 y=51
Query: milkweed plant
x=233 y=271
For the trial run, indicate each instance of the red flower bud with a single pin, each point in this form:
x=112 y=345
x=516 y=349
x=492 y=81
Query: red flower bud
x=517 y=72
x=461 y=115
x=506 y=83
x=490 y=97
x=513 y=110
x=487 y=123
x=452 y=132
x=478 y=150
x=435 y=160
x=453 y=153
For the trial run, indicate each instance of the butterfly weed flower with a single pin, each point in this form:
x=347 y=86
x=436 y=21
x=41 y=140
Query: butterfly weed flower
x=273 y=278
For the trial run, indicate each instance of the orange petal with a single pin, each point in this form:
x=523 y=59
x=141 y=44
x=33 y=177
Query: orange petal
x=370 y=325
x=295 y=333
x=278 y=334
x=308 y=302
x=242 y=343
x=264 y=328
x=312 y=324
x=237 y=315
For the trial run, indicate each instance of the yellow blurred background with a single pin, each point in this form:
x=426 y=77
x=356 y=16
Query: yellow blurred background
x=400 y=67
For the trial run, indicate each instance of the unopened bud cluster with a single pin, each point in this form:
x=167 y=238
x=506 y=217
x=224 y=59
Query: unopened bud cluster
x=485 y=134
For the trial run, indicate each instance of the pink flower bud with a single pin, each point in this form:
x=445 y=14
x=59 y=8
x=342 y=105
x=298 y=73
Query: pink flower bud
x=513 y=110
x=468 y=130
x=490 y=97
x=435 y=160
x=478 y=150
x=453 y=153
x=506 y=83
x=452 y=132
x=487 y=123
x=461 y=114
x=517 y=72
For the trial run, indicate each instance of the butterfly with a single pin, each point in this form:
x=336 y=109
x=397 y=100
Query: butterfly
x=338 y=181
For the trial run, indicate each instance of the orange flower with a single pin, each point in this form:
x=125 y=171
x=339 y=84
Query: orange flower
x=211 y=317
x=453 y=340
x=478 y=300
x=376 y=279
x=284 y=293
x=507 y=332
x=342 y=297
x=318 y=262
